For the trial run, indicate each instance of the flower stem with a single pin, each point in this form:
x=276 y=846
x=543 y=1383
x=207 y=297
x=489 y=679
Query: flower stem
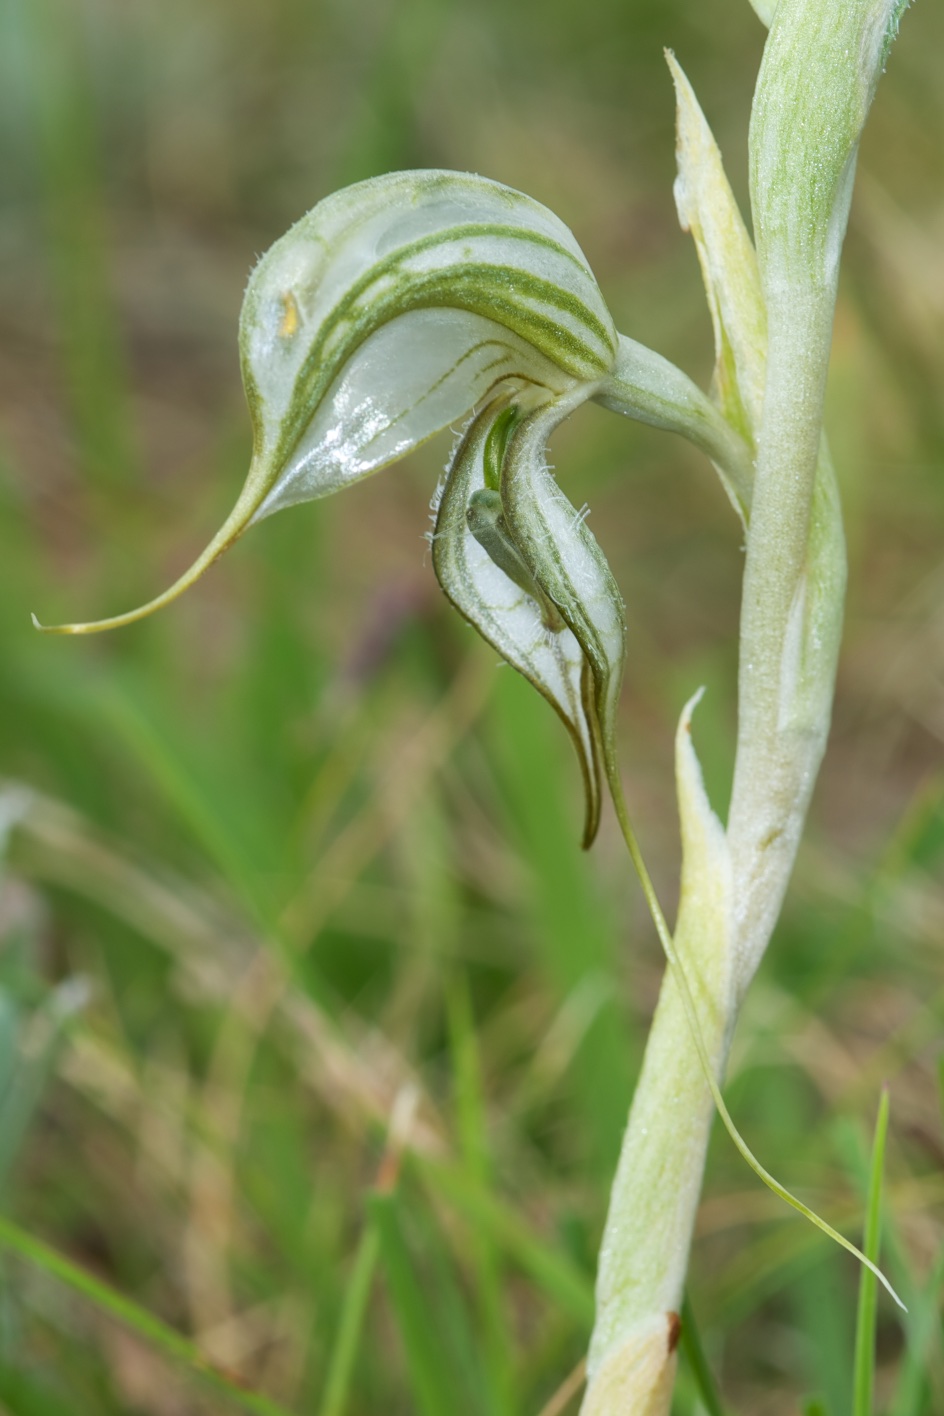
x=644 y=1254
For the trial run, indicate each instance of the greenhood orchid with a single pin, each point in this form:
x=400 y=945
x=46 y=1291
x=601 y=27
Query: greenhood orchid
x=415 y=302
x=398 y=308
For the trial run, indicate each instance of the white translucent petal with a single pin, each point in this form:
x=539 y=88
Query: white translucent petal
x=418 y=374
x=325 y=281
x=387 y=313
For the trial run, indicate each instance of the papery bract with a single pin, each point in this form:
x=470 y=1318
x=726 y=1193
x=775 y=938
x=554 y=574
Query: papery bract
x=707 y=208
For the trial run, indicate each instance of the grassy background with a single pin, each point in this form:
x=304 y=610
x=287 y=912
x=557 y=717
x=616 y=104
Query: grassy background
x=317 y=1031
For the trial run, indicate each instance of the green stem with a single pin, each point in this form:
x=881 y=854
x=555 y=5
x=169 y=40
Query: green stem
x=791 y=618
x=644 y=386
x=644 y=1254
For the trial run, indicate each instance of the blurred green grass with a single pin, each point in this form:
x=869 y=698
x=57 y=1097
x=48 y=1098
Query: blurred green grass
x=363 y=1024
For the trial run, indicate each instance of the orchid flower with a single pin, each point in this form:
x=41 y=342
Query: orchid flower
x=397 y=308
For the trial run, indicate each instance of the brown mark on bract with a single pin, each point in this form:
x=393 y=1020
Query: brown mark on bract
x=675 y=1330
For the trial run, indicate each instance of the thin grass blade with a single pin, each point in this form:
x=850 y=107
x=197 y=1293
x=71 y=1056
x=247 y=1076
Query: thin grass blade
x=864 y=1366
x=695 y=1356
x=137 y=1319
x=434 y=1385
x=911 y=1396
x=470 y=1107
x=350 y=1328
x=565 y=1284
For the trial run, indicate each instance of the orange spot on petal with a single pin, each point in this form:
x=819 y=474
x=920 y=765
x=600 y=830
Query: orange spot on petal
x=290 y=316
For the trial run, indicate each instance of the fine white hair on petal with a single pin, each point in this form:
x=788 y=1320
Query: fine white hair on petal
x=436 y=499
